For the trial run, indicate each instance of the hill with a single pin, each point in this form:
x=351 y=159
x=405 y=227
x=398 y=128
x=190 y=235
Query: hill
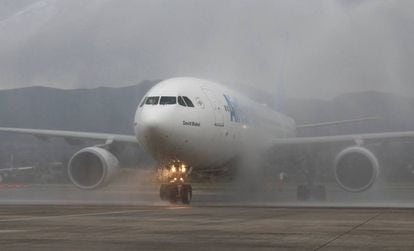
x=112 y=110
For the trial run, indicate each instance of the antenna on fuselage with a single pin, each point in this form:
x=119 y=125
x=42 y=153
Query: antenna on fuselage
x=280 y=102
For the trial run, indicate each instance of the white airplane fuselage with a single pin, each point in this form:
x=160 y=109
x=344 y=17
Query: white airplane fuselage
x=220 y=126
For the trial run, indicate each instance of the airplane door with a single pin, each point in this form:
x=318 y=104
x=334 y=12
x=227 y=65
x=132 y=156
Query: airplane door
x=215 y=104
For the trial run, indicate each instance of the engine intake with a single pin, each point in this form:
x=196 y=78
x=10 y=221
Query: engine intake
x=92 y=167
x=356 y=169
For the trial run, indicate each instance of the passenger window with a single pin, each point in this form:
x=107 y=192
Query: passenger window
x=143 y=102
x=181 y=101
x=188 y=102
x=168 y=101
x=152 y=100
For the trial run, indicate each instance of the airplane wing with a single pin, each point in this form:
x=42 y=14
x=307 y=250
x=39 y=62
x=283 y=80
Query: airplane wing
x=358 y=139
x=16 y=168
x=339 y=122
x=73 y=137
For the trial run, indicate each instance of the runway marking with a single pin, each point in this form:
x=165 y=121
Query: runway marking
x=348 y=231
x=74 y=215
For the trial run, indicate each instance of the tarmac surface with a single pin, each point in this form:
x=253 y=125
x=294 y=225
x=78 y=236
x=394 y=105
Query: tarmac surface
x=61 y=217
x=178 y=227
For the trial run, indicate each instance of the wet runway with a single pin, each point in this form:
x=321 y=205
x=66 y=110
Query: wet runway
x=131 y=217
x=70 y=227
x=390 y=195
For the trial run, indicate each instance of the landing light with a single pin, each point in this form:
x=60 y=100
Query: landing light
x=183 y=169
x=173 y=169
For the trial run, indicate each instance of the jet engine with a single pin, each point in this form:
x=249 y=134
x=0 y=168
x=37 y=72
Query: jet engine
x=356 y=169
x=92 y=167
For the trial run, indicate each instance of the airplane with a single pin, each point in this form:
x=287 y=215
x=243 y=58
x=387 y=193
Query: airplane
x=190 y=124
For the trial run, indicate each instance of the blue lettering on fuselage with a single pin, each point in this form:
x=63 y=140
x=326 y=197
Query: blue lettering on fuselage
x=233 y=109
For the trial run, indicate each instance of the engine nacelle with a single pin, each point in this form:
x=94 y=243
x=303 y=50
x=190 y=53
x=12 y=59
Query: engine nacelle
x=92 y=167
x=356 y=169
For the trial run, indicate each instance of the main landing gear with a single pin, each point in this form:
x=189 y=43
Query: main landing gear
x=174 y=187
x=310 y=190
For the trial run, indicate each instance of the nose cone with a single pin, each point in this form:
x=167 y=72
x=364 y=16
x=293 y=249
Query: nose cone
x=148 y=125
x=152 y=130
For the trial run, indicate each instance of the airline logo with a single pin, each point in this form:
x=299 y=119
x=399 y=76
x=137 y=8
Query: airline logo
x=199 y=102
x=231 y=107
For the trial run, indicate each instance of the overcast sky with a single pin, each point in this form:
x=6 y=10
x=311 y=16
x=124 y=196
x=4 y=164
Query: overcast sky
x=318 y=49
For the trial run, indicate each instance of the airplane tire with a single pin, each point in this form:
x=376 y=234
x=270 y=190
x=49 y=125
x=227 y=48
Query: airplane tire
x=163 y=192
x=320 y=193
x=186 y=193
x=303 y=193
x=173 y=193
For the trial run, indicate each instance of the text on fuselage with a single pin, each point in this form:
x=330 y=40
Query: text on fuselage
x=190 y=123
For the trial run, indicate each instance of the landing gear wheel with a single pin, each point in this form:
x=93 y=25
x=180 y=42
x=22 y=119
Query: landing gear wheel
x=303 y=193
x=319 y=193
x=173 y=193
x=186 y=193
x=163 y=192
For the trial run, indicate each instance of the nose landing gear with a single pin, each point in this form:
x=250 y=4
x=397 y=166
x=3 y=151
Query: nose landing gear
x=173 y=187
x=175 y=192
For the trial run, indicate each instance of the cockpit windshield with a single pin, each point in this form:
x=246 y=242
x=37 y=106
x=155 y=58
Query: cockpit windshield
x=188 y=101
x=152 y=100
x=181 y=101
x=168 y=100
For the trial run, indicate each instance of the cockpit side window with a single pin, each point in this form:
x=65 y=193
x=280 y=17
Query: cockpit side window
x=168 y=100
x=181 y=101
x=143 y=101
x=188 y=102
x=152 y=100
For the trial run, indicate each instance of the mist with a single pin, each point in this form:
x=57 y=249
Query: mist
x=314 y=49
x=317 y=49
